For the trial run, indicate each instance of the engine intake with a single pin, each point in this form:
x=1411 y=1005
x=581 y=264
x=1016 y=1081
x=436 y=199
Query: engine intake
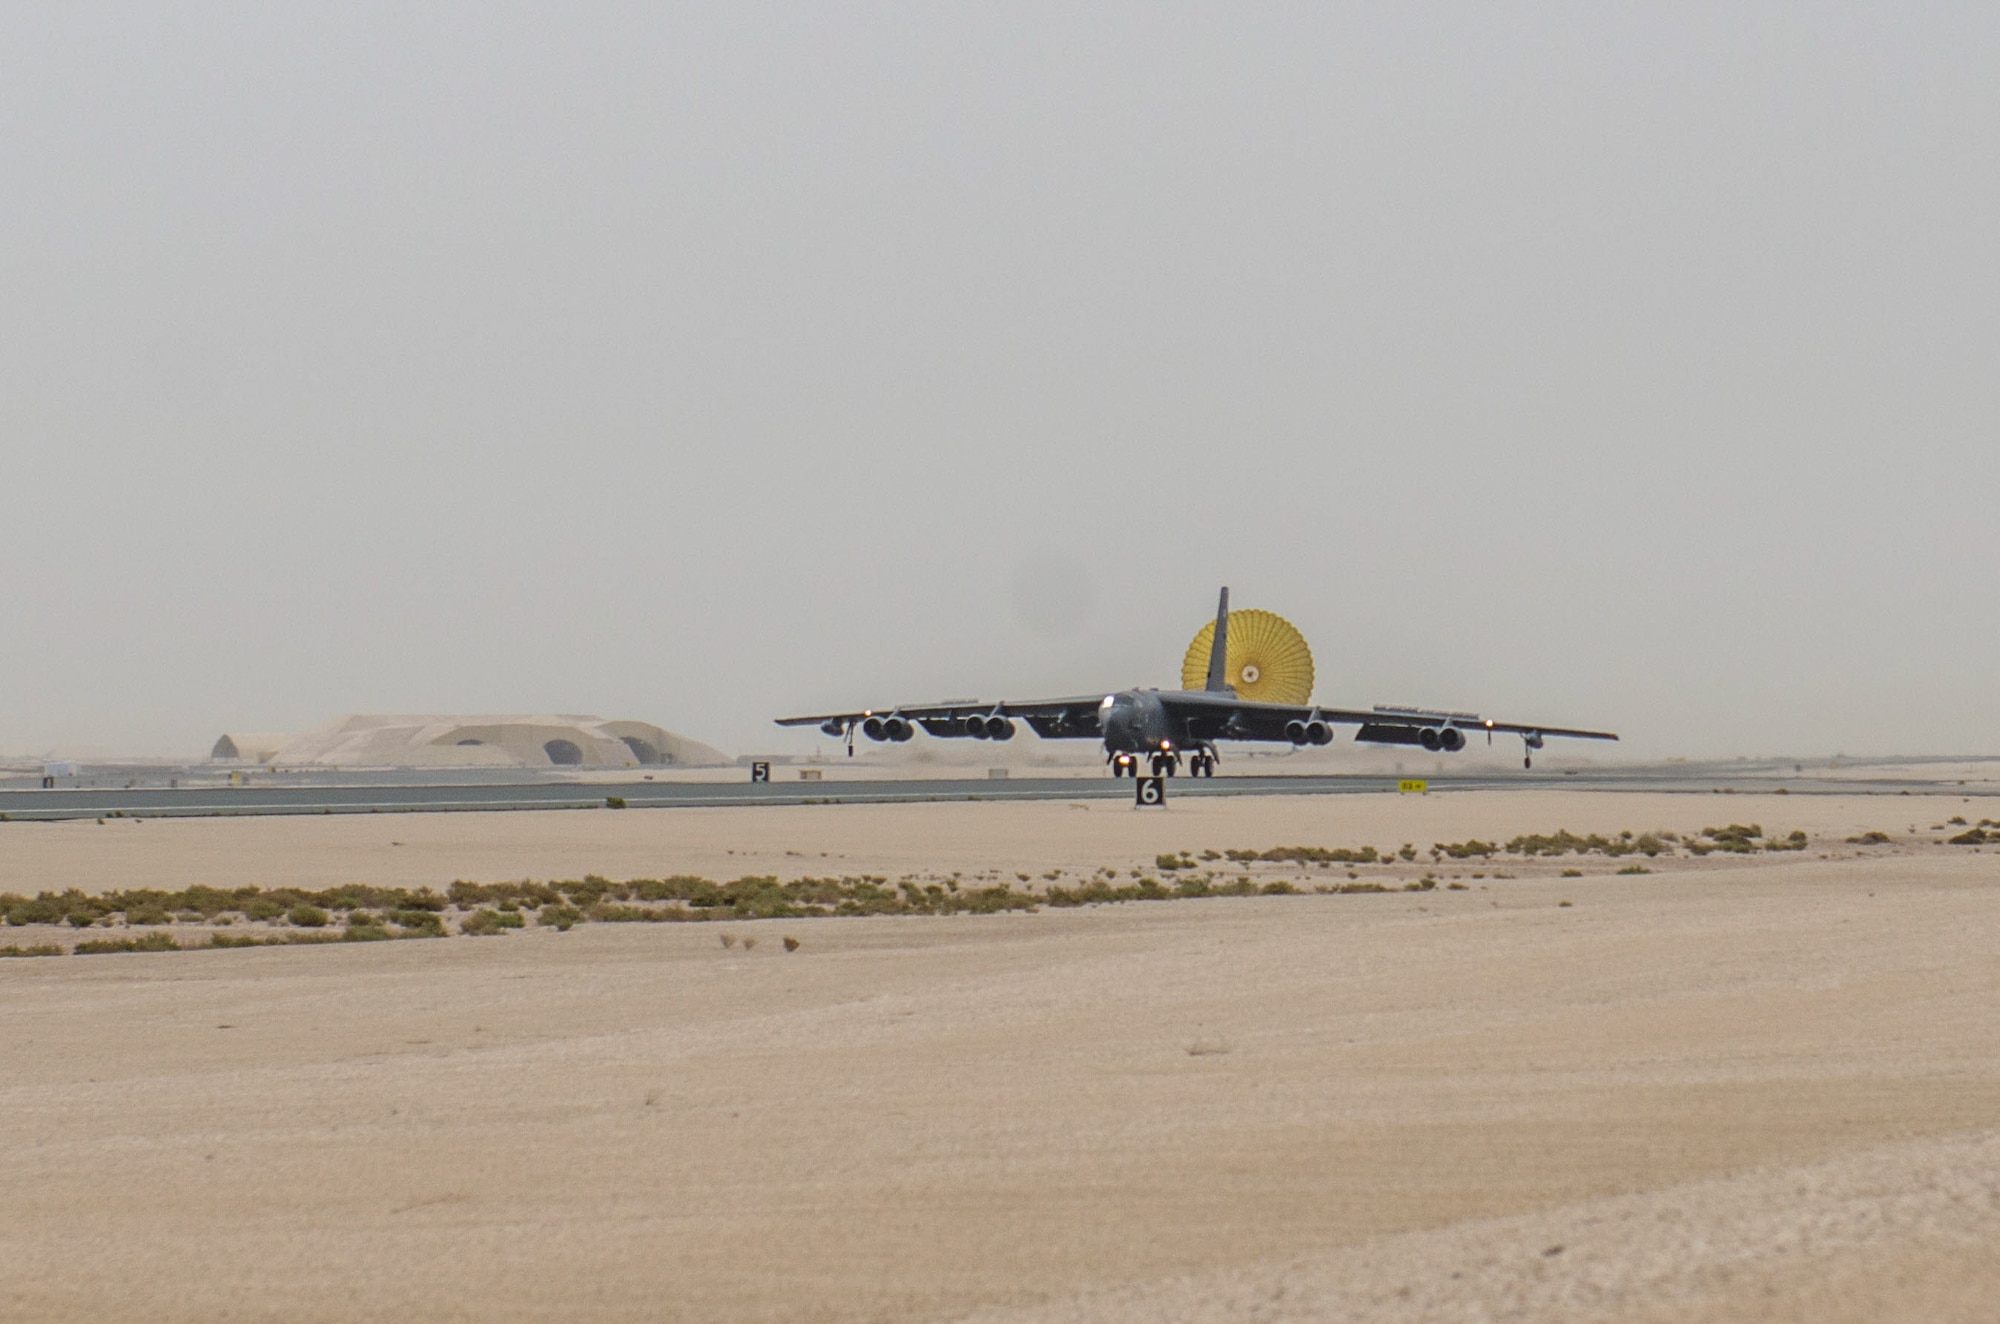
x=893 y=727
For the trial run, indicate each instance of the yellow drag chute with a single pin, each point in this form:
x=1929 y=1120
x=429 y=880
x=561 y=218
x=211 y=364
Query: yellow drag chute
x=1266 y=658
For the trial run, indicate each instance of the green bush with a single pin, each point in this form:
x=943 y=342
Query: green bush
x=614 y=802
x=1320 y=855
x=152 y=942
x=33 y=949
x=483 y=923
x=561 y=918
x=428 y=923
x=307 y=917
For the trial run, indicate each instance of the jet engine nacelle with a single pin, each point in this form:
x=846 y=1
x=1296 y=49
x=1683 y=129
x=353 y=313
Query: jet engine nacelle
x=1448 y=738
x=893 y=727
x=1314 y=732
x=990 y=726
x=834 y=728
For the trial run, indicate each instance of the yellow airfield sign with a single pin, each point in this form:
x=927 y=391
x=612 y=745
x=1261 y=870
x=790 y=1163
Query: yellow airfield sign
x=1413 y=786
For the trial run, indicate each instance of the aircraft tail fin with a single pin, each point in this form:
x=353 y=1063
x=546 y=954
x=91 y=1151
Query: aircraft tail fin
x=1218 y=648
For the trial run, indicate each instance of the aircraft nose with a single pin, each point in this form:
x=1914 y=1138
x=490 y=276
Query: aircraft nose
x=1118 y=723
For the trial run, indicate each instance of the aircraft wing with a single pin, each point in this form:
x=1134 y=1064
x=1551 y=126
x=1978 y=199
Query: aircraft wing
x=1207 y=716
x=1073 y=718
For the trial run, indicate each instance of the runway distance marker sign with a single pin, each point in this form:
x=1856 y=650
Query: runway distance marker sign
x=1149 y=791
x=1413 y=786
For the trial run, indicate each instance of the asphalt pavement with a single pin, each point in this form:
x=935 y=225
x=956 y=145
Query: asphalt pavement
x=391 y=796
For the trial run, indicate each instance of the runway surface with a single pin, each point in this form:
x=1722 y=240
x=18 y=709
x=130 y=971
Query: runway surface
x=296 y=794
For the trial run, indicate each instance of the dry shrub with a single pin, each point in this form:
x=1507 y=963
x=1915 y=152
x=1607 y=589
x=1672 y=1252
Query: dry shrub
x=152 y=942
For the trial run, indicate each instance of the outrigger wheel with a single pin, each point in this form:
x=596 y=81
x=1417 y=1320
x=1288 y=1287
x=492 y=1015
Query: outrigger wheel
x=1266 y=660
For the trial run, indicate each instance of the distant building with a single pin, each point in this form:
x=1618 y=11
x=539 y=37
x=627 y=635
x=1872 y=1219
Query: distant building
x=541 y=740
x=249 y=747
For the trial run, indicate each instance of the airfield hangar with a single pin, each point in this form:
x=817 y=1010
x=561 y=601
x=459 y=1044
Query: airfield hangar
x=541 y=740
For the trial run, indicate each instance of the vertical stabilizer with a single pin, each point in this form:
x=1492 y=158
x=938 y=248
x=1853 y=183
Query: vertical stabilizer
x=1218 y=648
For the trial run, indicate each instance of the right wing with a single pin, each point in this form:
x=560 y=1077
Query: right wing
x=1202 y=716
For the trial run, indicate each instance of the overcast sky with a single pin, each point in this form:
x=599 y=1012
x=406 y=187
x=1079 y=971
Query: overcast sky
x=1628 y=366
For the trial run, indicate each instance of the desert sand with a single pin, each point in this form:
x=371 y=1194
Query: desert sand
x=1731 y=1089
x=790 y=841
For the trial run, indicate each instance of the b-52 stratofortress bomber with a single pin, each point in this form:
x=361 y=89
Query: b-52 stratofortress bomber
x=1248 y=677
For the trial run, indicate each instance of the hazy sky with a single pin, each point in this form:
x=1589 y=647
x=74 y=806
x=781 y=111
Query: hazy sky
x=1612 y=364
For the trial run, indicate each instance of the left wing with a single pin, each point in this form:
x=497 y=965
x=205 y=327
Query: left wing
x=1052 y=719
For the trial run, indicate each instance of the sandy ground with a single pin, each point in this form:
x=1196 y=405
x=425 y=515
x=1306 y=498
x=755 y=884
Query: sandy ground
x=1034 y=837
x=1747 y=1091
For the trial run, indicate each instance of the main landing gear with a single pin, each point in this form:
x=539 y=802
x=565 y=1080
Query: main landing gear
x=1165 y=763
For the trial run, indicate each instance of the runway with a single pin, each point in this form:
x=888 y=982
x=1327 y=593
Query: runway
x=282 y=793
